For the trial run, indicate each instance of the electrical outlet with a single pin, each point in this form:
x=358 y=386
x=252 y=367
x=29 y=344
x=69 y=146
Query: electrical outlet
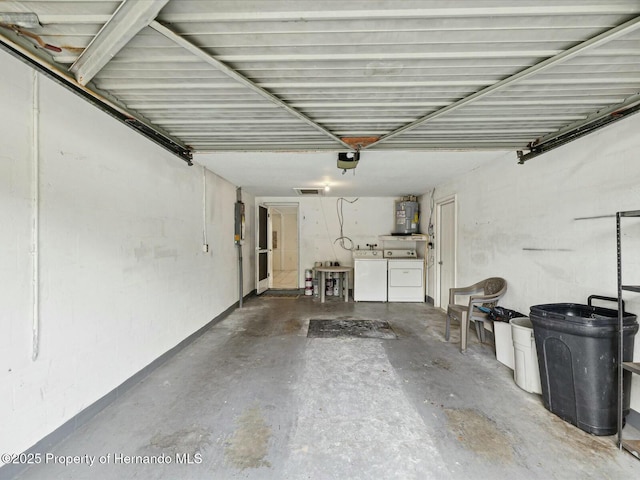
x=205 y=247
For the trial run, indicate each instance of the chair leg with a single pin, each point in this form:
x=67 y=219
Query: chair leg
x=480 y=330
x=447 y=328
x=464 y=331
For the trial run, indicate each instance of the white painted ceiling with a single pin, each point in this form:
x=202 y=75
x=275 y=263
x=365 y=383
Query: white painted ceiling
x=413 y=76
x=388 y=173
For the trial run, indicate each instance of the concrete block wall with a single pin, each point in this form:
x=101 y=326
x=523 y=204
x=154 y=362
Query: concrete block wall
x=531 y=223
x=123 y=276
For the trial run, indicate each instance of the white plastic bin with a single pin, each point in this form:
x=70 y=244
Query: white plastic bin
x=526 y=372
x=504 y=343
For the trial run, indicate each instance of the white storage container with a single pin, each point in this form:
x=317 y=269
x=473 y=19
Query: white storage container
x=526 y=372
x=504 y=343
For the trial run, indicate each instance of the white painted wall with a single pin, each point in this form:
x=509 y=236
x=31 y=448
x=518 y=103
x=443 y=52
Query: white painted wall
x=519 y=222
x=364 y=221
x=123 y=276
x=284 y=227
x=289 y=241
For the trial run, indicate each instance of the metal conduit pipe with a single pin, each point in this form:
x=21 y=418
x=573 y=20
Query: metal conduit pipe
x=35 y=212
x=240 y=267
x=205 y=243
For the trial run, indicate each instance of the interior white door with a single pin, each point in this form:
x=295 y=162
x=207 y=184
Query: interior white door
x=263 y=250
x=446 y=250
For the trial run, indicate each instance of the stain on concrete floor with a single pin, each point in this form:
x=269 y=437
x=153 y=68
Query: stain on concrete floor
x=591 y=446
x=248 y=446
x=442 y=363
x=189 y=440
x=291 y=325
x=264 y=326
x=480 y=434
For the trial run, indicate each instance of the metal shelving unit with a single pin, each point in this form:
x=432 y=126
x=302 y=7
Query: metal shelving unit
x=632 y=446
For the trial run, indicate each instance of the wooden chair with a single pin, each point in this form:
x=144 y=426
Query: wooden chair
x=491 y=290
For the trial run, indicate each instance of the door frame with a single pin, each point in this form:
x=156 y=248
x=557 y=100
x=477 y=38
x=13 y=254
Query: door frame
x=296 y=205
x=274 y=206
x=438 y=207
x=264 y=284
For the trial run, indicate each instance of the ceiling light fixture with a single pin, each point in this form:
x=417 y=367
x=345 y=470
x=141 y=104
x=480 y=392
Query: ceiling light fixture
x=327 y=188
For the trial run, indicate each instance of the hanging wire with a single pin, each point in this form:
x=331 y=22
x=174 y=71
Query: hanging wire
x=343 y=238
x=430 y=258
x=326 y=226
x=431 y=208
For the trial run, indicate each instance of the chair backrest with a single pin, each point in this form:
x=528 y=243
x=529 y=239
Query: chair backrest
x=494 y=286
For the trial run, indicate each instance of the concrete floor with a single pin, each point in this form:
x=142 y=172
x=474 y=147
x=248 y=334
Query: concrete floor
x=254 y=398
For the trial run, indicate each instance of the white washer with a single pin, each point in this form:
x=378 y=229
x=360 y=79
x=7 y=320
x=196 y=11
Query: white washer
x=369 y=276
x=406 y=276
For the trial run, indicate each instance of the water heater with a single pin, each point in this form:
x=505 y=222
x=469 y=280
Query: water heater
x=407 y=221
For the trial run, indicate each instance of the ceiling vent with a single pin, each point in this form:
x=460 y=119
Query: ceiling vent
x=309 y=191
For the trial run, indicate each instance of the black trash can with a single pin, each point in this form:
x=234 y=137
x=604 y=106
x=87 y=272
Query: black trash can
x=577 y=355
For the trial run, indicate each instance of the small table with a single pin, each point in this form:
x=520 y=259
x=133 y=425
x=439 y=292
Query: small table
x=344 y=271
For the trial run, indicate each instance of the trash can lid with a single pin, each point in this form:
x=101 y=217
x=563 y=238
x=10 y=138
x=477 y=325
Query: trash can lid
x=581 y=314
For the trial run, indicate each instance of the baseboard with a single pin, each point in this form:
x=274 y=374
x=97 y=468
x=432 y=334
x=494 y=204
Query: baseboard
x=9 y=471
x=252 y=293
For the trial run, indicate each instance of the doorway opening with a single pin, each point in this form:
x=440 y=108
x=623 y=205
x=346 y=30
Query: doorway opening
x=284 y=242
x=278 y=247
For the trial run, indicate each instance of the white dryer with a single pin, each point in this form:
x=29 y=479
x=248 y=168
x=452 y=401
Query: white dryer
x=369 y=276
x=406 y=276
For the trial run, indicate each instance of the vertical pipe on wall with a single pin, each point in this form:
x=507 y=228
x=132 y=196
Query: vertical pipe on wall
x=240 y=267
x=35 y=229
x=204 y=208
x=240 y=277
